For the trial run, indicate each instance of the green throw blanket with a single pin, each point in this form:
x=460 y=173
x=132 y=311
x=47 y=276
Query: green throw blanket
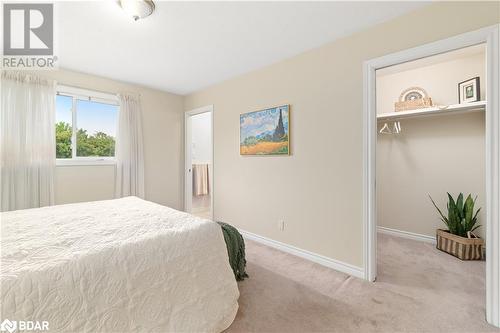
x=235 y=249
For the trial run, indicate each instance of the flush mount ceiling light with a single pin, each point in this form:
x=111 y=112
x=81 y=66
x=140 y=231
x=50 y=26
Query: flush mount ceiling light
x=138 y=9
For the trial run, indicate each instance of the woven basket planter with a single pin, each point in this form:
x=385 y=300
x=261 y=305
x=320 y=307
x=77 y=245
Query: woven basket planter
x=460 y=247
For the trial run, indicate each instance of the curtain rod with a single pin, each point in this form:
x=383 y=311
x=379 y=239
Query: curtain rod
x=99 y=91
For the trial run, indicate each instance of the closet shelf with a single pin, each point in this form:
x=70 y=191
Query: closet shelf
x=455 y=108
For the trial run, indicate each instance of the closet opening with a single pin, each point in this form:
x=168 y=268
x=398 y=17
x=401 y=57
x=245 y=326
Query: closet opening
x=430 y=155
x=199 y=162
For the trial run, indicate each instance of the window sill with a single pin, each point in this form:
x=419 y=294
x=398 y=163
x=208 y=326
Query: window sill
x=85 y=161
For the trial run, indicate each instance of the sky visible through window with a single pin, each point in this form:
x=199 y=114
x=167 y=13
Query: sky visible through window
x=91 y=116
x=63 y=109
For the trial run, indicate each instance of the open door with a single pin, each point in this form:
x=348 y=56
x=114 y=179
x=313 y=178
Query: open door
x=199 y=162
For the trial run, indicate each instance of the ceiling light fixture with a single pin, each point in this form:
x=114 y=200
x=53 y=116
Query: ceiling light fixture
x=138 y=9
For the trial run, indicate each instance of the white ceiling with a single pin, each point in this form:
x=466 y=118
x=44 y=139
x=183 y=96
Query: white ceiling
x=186 y=46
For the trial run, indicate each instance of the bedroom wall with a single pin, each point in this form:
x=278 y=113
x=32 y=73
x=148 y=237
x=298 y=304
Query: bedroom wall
x=163 y=130
x=317 y=190
x=432 y=155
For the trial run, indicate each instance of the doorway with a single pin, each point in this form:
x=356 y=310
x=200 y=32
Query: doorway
x=198 y=187
x=489 y=36
x=429 y=144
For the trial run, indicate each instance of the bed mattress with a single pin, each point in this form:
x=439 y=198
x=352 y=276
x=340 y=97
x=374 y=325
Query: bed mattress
x=124 y=265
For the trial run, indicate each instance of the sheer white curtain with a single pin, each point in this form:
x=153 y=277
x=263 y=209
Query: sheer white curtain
x=27 y=141
x=129 y=150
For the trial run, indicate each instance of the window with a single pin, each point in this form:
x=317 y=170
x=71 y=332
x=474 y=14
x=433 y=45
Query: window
x=86 y=125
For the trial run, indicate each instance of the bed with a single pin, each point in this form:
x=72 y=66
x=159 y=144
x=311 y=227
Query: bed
x=124 y=265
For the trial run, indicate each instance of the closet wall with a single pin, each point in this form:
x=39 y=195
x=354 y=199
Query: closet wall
x=433 y=155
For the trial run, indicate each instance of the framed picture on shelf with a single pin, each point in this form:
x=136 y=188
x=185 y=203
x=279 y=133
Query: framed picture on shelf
x=469 y=91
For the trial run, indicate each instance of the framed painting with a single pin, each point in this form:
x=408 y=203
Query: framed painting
x=265 y=132
x=469 y=91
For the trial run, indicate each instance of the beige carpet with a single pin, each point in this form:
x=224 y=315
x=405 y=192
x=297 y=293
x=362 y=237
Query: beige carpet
x=419 y=289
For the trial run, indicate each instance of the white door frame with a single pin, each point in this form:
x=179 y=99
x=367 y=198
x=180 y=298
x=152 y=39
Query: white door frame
x=188 y=178
x=489 y=36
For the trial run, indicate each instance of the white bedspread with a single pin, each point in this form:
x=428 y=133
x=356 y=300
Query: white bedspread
x=124 y=265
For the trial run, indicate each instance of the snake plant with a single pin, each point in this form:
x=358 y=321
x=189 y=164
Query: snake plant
x=461 y=219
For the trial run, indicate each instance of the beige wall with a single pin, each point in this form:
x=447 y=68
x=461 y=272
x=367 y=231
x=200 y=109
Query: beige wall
x=432 y=155
x=318 y=189
x=163 y=147
x=84 y=183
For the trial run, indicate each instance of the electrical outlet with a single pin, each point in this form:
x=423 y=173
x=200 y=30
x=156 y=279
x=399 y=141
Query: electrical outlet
x=281 y=225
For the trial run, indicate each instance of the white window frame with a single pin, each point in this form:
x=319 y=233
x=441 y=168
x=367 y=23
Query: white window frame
x=89 y=95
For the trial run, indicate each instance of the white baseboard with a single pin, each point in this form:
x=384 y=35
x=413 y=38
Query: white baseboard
x=314 y=257
x=407 y=234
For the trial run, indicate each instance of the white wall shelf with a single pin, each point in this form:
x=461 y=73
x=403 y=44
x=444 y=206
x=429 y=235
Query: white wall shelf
x=455 y=108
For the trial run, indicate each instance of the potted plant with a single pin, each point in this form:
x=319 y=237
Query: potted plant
x=459 y=239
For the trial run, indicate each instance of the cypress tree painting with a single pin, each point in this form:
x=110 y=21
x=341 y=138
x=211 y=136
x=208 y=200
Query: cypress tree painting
x=265 y=132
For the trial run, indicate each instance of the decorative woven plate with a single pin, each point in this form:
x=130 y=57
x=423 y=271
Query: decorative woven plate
x=413 y=98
